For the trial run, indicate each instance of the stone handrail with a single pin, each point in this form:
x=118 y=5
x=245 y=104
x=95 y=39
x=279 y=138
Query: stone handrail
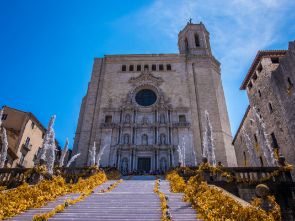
x=13 y=177
x=247 y=174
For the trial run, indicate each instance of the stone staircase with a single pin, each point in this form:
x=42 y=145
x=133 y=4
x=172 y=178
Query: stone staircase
x=132 y=200
x=180 y=211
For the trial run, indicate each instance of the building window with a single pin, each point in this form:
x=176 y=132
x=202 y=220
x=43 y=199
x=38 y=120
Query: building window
x=254 y=77
x=145 y=97
x=32 y=125
x=290 y=84
x=131 y=68
x=250 y=85
x=197 y=41
x=255 y=139
x=168 y=67
x=27 y=142
x=259 y=93
x=123 y=67
x=270 y=108
x=4 y=116
x=245 y=158
x=259 y=68
x=146 y=67
x=261 y=161
x=154 y=67
x=274 y=141
x=138 y=67
x=275 y=60
x=181 y=119
x=161 y=67
x=108 y=119
x=21 y=159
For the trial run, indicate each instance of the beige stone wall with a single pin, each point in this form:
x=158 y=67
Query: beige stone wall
x=36 y=140
x=19 y=126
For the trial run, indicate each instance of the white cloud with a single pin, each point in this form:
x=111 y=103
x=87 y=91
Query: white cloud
x=238 y=29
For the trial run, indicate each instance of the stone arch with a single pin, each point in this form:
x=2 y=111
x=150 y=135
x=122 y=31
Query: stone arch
x=197 y=40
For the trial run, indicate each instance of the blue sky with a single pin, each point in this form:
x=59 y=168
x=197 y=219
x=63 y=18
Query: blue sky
x=47 y=47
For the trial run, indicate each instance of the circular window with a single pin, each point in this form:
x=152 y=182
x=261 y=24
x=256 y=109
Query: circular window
x=145 y=97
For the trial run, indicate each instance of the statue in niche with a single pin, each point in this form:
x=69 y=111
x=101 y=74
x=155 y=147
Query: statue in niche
x=144 y=139
x=162 y=118
x=124 y=166
x=126 y=139
x=127 y=118
x=163 y=164
x=110 y=102
x=162 y=139
x=145 y=120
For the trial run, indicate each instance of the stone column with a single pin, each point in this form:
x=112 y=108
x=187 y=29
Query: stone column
x=130 y=160
x=169 y=158
x=119 y=161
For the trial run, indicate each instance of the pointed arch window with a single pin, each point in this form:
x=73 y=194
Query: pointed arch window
x=197 y=40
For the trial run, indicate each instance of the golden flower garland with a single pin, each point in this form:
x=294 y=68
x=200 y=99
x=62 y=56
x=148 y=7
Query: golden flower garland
x=178 y=184
x=24 y=197
x=212 y=204
x=61 y=207
x=113 y=174
x=111 y=187
x=163 y=200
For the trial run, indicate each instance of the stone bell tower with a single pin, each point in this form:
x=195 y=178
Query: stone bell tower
x=194 y=40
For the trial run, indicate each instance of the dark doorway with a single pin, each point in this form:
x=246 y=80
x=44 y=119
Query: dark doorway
x=144 y=164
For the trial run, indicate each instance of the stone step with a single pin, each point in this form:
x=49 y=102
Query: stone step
x=131 y=200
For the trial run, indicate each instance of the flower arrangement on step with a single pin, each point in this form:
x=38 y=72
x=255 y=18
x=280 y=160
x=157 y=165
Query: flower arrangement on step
x=164 y=204
x=61 y=207
x=177 y=183
x=111 y=187
x=212 y=204
x=113 y=174
x=24 y=197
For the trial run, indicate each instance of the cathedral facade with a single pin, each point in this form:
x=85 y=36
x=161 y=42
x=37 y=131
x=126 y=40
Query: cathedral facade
x=142 y=107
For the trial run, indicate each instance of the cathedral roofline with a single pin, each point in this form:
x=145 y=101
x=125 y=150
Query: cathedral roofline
x=260 y=54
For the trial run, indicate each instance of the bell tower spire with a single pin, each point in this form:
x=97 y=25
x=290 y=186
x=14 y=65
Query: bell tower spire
x=194 y=40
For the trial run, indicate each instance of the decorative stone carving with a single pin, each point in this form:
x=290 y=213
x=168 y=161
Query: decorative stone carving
x=147 y=77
